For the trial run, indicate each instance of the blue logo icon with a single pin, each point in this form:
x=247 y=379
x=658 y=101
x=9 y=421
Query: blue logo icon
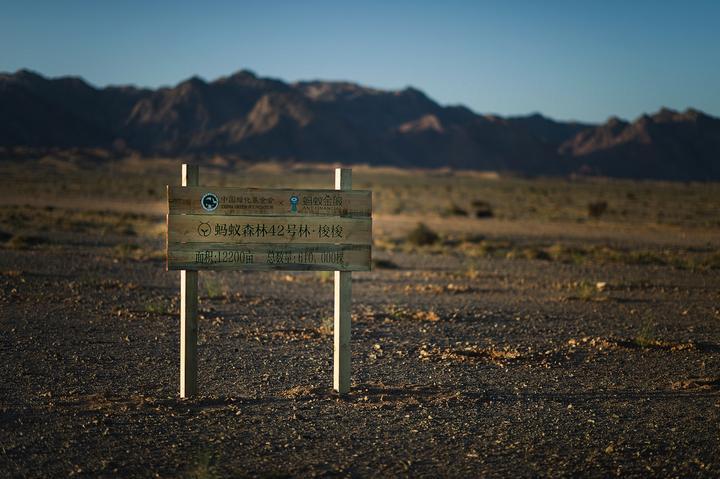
x=209 y=201
x=293 y=203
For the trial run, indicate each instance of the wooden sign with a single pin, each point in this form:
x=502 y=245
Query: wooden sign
x=262 y=229
x=267 y=229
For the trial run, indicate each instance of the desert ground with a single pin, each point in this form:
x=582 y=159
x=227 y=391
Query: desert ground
x=533 y=328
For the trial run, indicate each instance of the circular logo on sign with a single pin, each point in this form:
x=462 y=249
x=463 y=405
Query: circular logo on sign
x=209 y=201
x=204 y=229
x=293 y=203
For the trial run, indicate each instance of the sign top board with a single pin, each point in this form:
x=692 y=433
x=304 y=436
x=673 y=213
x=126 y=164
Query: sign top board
x=255 y=201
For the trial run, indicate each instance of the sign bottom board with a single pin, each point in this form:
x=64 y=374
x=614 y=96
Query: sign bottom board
x=293 y=257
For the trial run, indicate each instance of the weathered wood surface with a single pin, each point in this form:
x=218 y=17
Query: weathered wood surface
x=188 y=311
x=256 y=201
x=343 y=308
x=294 y=257
x=268 y=229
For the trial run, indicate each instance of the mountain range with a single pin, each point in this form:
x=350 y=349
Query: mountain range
x=257 y=118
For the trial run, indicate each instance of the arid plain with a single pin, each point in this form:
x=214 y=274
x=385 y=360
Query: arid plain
x=552 y=327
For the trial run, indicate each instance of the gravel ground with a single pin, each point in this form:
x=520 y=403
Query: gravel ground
x=513 y=368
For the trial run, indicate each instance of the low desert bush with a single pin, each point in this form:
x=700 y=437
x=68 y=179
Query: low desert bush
x=454 y=210
x=482 y=209
x=422 y=235
x=597 y=208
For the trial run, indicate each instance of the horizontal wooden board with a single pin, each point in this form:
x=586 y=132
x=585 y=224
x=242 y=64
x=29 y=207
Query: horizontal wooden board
x=296 y=257
x=269 y=229
x=253 y=201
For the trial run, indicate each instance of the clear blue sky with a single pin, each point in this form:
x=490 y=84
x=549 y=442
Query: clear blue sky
x=582 y=60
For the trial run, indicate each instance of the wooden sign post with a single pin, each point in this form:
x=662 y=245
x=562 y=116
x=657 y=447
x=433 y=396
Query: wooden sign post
x=267 y=229
x=343 y=299
x=188 y=309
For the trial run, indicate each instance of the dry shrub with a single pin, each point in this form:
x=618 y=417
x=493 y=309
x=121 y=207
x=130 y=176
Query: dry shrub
x=378 y=263
x=327 y=326
x=24 y=241
x=597 y=208
x=528 y=253
x=298 y=392
x=426 y=316
x=450 y=288
x=704 y=384
x=422 y=236
x=469 y=353
x=482 y=209
x=400 y=314
x=639 y=342
x=454 y=210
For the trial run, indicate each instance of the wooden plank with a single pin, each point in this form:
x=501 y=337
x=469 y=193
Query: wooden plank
x=268 y=229
x=294 y=257
x=256 y=201
x=343 y=305
x=188 y=311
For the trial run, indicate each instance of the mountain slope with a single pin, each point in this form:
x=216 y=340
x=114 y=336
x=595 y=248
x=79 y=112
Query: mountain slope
x=258 y=118
x=666 y=145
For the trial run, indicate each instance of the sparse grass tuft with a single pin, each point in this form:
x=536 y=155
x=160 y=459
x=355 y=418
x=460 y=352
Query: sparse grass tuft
x=214 y=288
x=469 y=353
x=487 y=248
x=24 y=241
x=297 y=392
x=157 y=306
x=687 y=258
x=646 y=336
x=566 y=254
x=472 y=272
x=398 y=313
x=712 y=261
x=133 y=251
x=528 y=253
x=589 y=291
x=126 y=250
x=326 y=326
x=426 y=316
x=204 y=468
x=11 y=273
x=128 y=230
x=586 y=291
x=324 y=276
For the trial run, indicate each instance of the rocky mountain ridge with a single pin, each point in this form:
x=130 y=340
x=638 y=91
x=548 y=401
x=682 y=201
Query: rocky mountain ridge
x=319 y=121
